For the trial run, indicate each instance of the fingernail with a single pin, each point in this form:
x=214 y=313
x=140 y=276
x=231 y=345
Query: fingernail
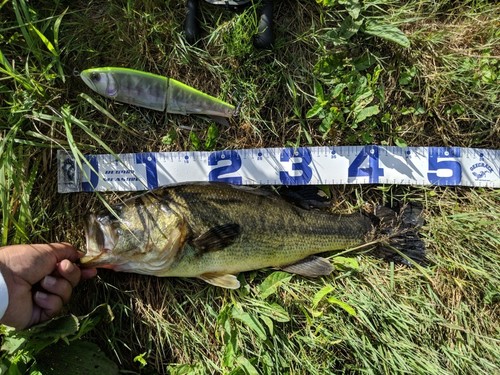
x=49 y=281
x=67 y=265
x=41 y=296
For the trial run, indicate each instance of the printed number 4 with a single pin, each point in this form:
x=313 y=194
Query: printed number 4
x=373 y=171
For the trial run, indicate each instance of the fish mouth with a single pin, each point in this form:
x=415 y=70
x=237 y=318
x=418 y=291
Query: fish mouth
x=98 y=249
x=86 y=77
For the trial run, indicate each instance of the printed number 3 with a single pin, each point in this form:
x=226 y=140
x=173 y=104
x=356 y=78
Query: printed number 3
x=436 y=165
x=303 y=165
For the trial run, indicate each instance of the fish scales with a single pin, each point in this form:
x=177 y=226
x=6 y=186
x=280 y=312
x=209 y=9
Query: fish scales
x=273 y=232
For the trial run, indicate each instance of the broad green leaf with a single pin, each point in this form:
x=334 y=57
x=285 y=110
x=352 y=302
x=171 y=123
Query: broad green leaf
x=353 y=7
x=246 y=366
x=170 y=137
x=326 y=3
x=79 y=358
x=272 y=282
x=362 y=100
x=88 y=322
x=316 y=109
x=141 y=360
x=269 y=323
x=338 y=90
x=42 y=335
x=195 y=141
x=274 y=311
x=212 y=135
x=364 y=61
x=318 y=297
x=318 y=91
x=385 y=31
x=185 y=369
x=348 y=308
x=251 y=322
x=365 y=113
x=400 y=142
x=342 y=34
x=345 y=263
x=349 y=27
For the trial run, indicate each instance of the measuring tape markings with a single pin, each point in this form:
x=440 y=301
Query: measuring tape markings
x=284 y=166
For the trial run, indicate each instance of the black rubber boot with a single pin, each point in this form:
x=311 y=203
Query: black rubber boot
x=264 y=38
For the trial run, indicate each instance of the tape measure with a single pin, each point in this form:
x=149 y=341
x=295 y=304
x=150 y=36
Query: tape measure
x=449 y=166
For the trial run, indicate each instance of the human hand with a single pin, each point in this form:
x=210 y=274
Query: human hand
x=40 y=279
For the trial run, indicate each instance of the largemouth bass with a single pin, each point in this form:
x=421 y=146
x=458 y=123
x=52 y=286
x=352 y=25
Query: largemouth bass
x=215 y=231
x=154 y=92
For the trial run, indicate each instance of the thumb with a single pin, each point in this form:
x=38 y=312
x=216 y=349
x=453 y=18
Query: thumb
x=44 y=259
x=61 y=251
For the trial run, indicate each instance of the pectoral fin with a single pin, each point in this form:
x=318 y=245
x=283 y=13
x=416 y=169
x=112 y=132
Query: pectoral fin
x=312 y=266
x=223 y=280
x=218 y=237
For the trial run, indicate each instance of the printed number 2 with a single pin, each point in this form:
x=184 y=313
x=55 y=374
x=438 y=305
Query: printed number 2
x=303 y=165
x=435 y=165
x=374 y=171
x=235 y=164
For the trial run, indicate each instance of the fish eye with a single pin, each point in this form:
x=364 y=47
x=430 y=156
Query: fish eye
x=109 y=218
x=95 y=77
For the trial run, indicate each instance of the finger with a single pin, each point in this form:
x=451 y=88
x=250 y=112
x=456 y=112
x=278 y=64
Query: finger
x=63 y=250
x=58 y=286
x=69 y=271
x=51 y=254
x=88 y=273
x=49 y=303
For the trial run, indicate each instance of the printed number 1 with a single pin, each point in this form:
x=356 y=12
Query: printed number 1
x=373 y=171
x=436 y=165
x=94 y=177
x=149 y=161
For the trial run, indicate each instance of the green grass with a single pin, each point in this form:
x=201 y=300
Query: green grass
x=322 y=84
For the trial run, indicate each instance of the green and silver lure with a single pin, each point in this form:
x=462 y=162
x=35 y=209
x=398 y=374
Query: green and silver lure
x=154 y=92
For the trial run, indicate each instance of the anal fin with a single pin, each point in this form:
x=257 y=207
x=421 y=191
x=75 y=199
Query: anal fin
x=312 y=266
x=227 y=281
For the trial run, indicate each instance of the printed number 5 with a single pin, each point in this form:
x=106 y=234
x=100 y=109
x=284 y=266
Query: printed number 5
x=436 y=165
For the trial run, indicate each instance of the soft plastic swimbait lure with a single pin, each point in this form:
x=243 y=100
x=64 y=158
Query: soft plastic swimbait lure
x=155 y=92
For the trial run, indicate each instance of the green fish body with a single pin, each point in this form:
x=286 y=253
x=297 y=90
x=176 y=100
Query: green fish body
x=216 y=231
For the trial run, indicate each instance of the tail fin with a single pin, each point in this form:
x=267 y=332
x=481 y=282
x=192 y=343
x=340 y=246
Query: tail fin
x=398 y=228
